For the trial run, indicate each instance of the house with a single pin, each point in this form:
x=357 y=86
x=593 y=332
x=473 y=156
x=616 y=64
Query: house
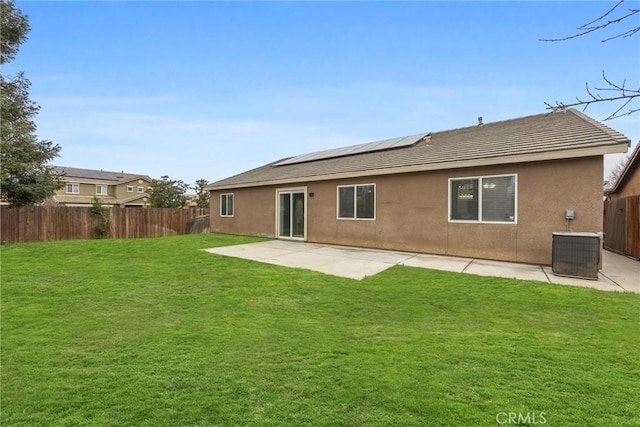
x=622 y=210
x=111 y=188
x=628 y=183
x=494 y=191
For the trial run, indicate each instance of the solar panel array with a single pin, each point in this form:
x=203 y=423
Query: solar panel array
x=386 y=144
x=90 y=173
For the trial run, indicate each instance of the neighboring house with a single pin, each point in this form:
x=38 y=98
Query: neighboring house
x=191 y=200
x=494 y=191
x=622 y=210
x=111 y=188
x=628 y=183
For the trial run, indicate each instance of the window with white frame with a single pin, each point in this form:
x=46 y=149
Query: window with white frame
x=101 y=190
x=129 y=188
x=73 y=188
x=483 y=199
x=357 y=201
x=226 y=204
x=140 y=189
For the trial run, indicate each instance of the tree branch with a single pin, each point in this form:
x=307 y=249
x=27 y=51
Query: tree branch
x=621 y=93
x=610 y=91
x=592 y=26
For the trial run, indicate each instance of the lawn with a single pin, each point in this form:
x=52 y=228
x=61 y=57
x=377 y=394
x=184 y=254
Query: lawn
x=156 y=332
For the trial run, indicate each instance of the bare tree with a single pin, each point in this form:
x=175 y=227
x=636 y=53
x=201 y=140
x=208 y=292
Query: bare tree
x=614 y=174
x=609 y=92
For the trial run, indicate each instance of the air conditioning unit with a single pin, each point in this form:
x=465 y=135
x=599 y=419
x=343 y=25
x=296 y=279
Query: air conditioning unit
x=576 y=255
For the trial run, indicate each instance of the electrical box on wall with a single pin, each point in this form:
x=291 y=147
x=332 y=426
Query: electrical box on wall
x=570 y=215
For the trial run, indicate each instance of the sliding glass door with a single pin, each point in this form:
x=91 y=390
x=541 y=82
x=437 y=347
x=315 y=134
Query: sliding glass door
x=291 y=214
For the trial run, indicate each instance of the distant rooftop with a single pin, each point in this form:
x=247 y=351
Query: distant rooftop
x=97 y=174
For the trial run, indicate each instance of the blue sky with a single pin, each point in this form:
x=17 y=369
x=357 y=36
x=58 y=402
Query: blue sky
x=210 y=89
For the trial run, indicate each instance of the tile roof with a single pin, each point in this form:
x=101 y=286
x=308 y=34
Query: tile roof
x=100 y=175
x=555 y=135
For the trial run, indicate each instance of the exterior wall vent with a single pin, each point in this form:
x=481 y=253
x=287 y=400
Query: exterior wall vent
x=576 y=255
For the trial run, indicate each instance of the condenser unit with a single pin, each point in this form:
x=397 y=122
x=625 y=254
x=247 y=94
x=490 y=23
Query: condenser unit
x=576 y=255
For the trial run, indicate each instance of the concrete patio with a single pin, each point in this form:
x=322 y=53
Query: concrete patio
x=618 y=272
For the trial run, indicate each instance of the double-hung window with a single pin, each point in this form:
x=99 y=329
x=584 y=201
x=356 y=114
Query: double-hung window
x=483 y=199
x=101 y=190
x=357 y=201
x=226 y=204
x=73 y=188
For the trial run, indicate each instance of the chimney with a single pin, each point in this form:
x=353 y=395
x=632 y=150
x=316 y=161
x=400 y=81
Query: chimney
x=480 y=121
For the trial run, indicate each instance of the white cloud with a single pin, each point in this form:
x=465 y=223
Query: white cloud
x=101 y=101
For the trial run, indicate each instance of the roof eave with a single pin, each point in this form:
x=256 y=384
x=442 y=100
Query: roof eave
x=620 y=147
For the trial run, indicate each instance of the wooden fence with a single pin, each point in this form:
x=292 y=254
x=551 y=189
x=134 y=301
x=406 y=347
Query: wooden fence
x=198 y=225
x=622 y=226
x=44 y=223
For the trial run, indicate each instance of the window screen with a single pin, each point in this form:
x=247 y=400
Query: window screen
x=226 y=204
x=484 y=199
x=357 y=201
x=365 y=201
x=498 y=199
x=346 y=202
x=464 y=199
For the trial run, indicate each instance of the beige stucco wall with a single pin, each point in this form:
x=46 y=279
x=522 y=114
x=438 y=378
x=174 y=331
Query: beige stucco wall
x=254 y=212
x=412 y=212
x=86 y=189
x=115 y=192
x=121 y=189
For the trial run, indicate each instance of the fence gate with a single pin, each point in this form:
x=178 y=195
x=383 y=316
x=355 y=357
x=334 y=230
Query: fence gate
x=622 y=226
x=632 y=227
x=614 y=225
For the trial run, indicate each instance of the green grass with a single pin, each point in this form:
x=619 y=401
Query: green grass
x=157 y=332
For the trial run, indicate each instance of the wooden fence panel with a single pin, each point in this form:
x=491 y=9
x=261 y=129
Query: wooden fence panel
x=632 y=241
x=45 y=223
x=198 y=225
x=614 y=225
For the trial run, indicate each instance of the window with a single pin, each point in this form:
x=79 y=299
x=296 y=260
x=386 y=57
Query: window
x=356 y=201
x=140 y=189
x=483 y=199
x=73 y=188
x=129 y=188
x=226 y=204
x=101 y=190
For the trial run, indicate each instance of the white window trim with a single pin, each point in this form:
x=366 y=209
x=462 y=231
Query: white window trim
x=129 y=188
x=140 y=189
x=106 y=190
x=74 y=184
x=480 y=221
x=234 y=205
x=355 y=202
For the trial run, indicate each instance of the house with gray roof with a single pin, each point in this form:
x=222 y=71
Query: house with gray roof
x=111 y=188
x=495 y=191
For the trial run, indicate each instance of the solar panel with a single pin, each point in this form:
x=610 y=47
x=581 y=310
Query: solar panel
x=386 y=144
x=91 y=173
